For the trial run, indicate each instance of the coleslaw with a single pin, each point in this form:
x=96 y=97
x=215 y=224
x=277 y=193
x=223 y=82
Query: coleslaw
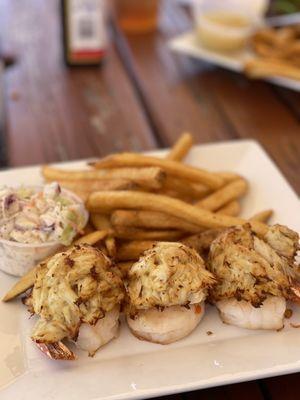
x=46 y=215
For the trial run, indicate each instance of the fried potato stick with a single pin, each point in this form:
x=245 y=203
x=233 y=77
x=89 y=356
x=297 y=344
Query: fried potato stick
x=150 y=220
x=186 y=189
x=172 y=168
x=123 y=232
x=262 y=216
x=91 y=185
x=100 y=221
x=132 y=250
x=229 y=176
x=233 y=208
x=159 y=220
x=149 y=177
x=181 y=147
x=108 y=201
x=124 y=268
x=219 y=198
x=110 y=244
x=262 y=68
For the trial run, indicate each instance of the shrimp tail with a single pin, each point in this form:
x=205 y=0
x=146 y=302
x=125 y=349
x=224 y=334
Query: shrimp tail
x=56 y=351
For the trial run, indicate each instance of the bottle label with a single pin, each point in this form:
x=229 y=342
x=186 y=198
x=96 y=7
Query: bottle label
x=87 y=38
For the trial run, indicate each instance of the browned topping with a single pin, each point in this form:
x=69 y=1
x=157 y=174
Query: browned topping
x=69 y=262
x=288 y=313
x=209 y=333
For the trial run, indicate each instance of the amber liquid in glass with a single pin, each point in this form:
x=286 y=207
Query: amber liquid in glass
x=137 y=16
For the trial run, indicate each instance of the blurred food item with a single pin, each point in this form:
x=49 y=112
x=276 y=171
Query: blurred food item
x=223 y=31
x=136 y=16
x=226 y=26
x=84 y=31
x=277 y=51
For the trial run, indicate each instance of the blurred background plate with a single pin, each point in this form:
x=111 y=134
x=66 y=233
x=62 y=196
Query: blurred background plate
x=189 y=44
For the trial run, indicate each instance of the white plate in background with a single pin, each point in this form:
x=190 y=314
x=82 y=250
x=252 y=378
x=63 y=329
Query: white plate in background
x=188 y=44
x=131 y=369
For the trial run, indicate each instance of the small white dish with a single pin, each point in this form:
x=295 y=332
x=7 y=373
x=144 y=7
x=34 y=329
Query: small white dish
x=18 y=258
x=189 y=45
x=131 y=369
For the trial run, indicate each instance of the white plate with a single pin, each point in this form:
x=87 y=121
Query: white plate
x=189 y=45
x=128 y=368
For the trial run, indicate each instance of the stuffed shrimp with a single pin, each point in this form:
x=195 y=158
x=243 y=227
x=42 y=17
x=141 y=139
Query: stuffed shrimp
x=167 y=288
x=77 y=297
x=255 y=276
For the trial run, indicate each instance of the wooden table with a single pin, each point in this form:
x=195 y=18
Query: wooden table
x=143 y=98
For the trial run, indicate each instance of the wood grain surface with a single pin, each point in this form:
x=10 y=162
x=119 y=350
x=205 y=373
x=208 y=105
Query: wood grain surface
x=56 y=113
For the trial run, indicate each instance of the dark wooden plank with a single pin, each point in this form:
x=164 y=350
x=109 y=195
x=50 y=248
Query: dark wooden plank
x=55 y=113
x=244 y=391
x=181 y=93
x=282 y=387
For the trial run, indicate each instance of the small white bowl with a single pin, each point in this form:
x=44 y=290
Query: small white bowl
x=18 y=258
x=215 y=24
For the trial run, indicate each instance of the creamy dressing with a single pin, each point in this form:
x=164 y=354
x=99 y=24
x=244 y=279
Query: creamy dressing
x=31 y=216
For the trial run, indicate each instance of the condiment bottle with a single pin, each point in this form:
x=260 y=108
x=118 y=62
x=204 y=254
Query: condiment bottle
x=84 y=31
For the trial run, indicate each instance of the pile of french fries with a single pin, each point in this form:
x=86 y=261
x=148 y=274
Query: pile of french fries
x=278 y=53
x=136 y=200
x=139 y=199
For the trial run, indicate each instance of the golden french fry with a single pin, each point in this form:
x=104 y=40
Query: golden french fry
x=262 y=216
x=172 y=168
x=108 y=201
x=202 y=241
x=100 y=221
x=91 y=238
x=181 y=147
x=220 y=197
x=21 y=286
x=159 y=220
x=133 y=250
x=229 y=176
x=110 y=244
x=150 y=220
x=27 y=281
x=88 y=229
x=151 y=177
x=123 y=232
x=124 y=268
x=186 y=189
x=262 y=68
x=91 y=185
x=233 y=208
